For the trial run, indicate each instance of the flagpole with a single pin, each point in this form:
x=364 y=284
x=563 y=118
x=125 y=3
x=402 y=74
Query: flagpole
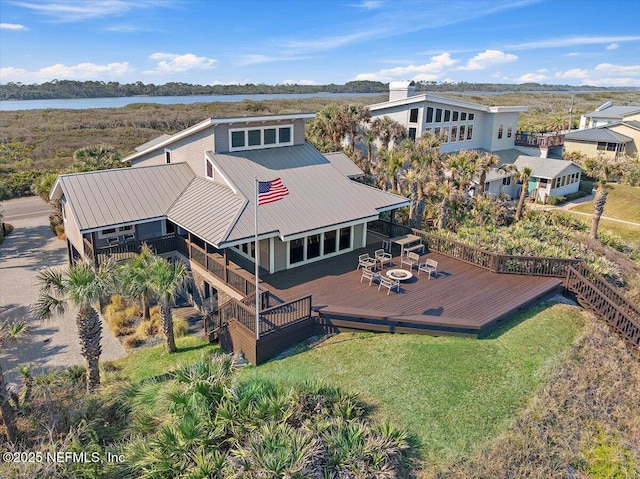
x=257 y=258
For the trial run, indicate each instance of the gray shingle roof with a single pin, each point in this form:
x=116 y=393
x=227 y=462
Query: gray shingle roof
x=597 y=134
x=123 y=195
x=319 y=194
x=546 y=167
x=207 y=209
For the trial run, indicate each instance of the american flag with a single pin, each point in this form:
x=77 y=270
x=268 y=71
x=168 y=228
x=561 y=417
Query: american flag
x=270 y=191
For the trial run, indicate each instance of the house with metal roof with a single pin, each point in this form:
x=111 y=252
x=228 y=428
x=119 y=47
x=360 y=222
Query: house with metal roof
x=193 y=193
x=618 y=138
x=464 y=125
x=550 y=177
x=608 y=113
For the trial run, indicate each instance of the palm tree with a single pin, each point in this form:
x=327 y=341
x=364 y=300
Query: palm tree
x=557 y=124
x=603 y=169
x=390 y=163
x=521 y=176
x=100 y=157
x=483 y=166
x=369 y=137
x=9 y=331
x=82 y=286
x=167 y=279
x=355 y=116
x=387 y=130
x=133 y=279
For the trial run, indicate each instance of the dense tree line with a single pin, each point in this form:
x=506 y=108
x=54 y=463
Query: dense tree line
x=67 y=89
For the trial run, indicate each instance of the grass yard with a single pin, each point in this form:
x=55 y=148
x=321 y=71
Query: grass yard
x=622 y=203
x=155 y=361
x=452 y=394
x=627 y=232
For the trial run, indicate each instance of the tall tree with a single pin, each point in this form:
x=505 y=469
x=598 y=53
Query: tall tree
x=10 y=330
x=82 y=286
x=388 y=167
x=603 y=169
x=483 y=165
x=356 y=116
x=387 y=131
x=133 y=278
x=520 y=176
x=167 y=280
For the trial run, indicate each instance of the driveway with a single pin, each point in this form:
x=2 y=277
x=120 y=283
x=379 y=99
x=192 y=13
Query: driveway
x=53 y=343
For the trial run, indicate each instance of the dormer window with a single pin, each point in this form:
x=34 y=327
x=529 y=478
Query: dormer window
x=209 y=168
x=253 y=138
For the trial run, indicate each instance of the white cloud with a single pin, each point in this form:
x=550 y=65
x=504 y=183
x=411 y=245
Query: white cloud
x=73 y=10
x=12 y=26
x=174 y=63
x=605 y=74
x=613 y=46
x=427 y=71
x=489 y=58
x=369 y=4
x=81 y=71
x=533 y=78
x=573 y=54
x=299 y=82
x=573 y=41
x=573 y=74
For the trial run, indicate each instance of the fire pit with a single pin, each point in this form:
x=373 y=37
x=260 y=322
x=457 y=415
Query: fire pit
x=399 y=274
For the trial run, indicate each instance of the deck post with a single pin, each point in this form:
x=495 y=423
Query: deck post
x=392 y=218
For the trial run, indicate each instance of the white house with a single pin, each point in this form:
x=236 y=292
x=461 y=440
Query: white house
x=550 y=177
x=465 y=125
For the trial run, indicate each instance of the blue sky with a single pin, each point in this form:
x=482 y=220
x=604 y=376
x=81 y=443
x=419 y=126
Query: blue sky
x=574 y=42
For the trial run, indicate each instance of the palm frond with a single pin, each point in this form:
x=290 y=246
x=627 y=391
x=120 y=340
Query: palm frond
x=47 y=305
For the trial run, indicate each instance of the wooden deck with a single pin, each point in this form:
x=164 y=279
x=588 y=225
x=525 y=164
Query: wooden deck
x=462 y=300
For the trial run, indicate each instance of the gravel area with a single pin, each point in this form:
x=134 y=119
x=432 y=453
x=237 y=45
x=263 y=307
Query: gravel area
x=53 y=343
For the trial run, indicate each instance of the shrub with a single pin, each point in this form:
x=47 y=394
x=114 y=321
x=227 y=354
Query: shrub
x=576 y=195
x=555 y=200
x=149 y=328
x=180 y=327
x=133 y=341
x=586 y=186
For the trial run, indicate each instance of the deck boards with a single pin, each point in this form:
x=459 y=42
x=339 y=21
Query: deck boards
x=462 y=295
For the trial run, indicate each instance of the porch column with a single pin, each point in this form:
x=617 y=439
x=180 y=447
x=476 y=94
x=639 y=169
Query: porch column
x=392 y=222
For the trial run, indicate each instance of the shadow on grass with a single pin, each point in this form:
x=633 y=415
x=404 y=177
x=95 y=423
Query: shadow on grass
x=507 y=324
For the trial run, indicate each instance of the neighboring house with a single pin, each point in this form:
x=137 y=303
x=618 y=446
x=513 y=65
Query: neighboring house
x=608 y=114
x=550 y=177
x=497 y=182
x=621 y=137
x=193 y=193
x=465 y=125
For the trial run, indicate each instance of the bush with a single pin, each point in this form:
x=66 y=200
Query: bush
x=555 y=200
x=586 y=186
x=149 y=328
x=133 y=341
x=180 y=327
x=576 y=195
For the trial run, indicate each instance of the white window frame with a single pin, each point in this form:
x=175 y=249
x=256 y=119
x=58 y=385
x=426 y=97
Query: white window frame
x=277 y=144
x=322 y=255
x=119 y=231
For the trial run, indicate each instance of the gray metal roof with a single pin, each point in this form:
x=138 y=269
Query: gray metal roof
x=343 y=164
x=597 y=134
x=614 y=112
x=207 y=209
x=109 y=197
x=546 y=167
x=319 y=194
x=507 y=156
x=152 y=142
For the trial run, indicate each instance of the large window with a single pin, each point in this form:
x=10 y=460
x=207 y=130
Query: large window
x=447 y=115
x=345 y=238
x=463 y=116
x=455 y=116
x=461 y=137
x=330 y=243
x=296 y=251
x=500 y=130
x=250 y=138
x=429 y=114
x=438 y=115
x=413 y=115
x=454 y=133
x=469 y=132
x=412 y=133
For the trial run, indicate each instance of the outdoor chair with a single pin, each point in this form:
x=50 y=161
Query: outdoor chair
x=366 y=261
x=370 y=275
x=382 y=257
x=411 y=259
x=389 y=284
x=429 y=266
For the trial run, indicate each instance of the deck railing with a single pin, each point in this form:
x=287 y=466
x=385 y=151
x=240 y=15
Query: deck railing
x=544 y=140
x=598 y=296
x=592 y=290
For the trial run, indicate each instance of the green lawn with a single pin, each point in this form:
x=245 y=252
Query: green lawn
x=622 y=203
x=627 y=232
x=451 y=393
x=155 y=361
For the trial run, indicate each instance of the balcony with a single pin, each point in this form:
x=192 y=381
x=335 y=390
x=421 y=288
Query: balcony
x=539 y=140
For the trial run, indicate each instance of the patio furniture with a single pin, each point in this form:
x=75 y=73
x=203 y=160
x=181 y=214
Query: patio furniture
x=382 y=257
x=399 y=274
x=408 y=242
x=113 y=241
x=429 y=266
x=366 y=261
x=389 y=284
x=370 y=275
x=412 y=259
x=129 y=237
x=386 y=244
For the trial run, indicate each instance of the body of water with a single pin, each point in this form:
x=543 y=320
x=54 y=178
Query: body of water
x=118 y=102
